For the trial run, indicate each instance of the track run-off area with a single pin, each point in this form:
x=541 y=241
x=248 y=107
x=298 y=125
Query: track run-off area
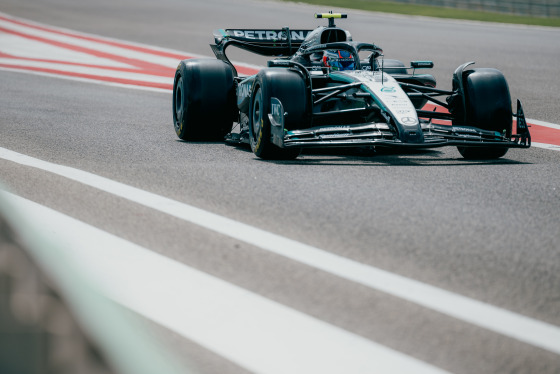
x=261 y=276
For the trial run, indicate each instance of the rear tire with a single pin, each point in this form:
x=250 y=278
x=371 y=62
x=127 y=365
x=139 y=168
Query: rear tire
x=488 y=107
x=204 y=105
x=288 y=87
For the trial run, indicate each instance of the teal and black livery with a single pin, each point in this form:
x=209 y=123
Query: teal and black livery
x=323 y=89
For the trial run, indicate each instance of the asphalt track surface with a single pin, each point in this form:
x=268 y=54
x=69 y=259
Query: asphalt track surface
x=489 y=231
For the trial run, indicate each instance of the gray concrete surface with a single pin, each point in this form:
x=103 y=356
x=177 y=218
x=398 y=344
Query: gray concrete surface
x=486 y=230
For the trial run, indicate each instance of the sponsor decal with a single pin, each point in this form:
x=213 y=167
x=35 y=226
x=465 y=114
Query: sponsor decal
x=271 y=35
x=337 y=135
x=401 y=104
x=276 y=109
x=465 y=129
x=409 y=121
x=276 y=115
x=465 y=136
x=388 y=89
x=244 y=90
x=361 y=75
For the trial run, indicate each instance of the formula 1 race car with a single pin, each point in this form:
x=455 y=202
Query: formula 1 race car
x=325 y=90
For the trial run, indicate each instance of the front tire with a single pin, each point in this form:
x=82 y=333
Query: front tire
x=288 y=87
x=488 y=107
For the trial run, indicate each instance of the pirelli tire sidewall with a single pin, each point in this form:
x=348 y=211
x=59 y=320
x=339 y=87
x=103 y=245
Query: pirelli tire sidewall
x=204 y=106
x=287 y=86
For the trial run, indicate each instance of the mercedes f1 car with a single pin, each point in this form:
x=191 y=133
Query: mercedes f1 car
x=322 y=89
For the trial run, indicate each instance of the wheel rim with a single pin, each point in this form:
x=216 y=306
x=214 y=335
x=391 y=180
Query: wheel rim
x=257 y=113
x=178 y=101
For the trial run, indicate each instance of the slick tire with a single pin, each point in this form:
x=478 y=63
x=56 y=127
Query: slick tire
x=204 y=105
x=288 y=87
x=488 y=107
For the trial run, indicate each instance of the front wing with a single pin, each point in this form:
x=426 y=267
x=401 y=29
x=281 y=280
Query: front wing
x=381 y=134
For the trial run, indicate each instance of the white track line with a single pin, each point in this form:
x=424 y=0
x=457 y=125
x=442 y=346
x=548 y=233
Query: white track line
x=259 y=334
x=513 y=325
x=94 y=45
x=88 y=80
x=85 y=70
x=101 y=40
x=33 y=24
x=21 y=47
x=551 y=147
x=543 y=123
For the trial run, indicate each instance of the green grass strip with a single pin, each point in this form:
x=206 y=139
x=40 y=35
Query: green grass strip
x=432 y=11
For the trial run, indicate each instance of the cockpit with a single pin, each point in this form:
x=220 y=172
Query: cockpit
x=336 y=59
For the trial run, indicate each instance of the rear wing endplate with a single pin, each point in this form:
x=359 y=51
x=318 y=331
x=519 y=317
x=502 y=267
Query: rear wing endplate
x=266 y=42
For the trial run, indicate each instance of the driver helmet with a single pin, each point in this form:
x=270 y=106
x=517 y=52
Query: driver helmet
x=338 y=59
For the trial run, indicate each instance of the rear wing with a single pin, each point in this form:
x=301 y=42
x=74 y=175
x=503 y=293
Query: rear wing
x=266 y=42
x=268 y=37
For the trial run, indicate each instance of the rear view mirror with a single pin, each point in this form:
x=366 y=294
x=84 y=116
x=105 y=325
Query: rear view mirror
x=422 y=64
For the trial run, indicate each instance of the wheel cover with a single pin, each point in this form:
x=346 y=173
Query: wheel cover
x=178 y=102
x=257 y=113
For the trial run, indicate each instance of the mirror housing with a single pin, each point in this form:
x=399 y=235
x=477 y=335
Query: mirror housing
x=422 y=64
